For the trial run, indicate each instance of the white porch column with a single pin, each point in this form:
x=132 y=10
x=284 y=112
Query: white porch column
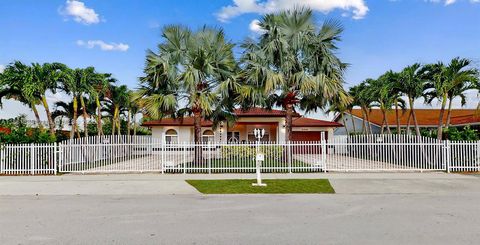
x=281 y=130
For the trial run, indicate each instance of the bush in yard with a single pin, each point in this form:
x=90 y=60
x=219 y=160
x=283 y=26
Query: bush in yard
x=248 y=151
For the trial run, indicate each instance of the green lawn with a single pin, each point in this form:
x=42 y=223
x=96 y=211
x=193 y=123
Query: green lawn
x=274 y=186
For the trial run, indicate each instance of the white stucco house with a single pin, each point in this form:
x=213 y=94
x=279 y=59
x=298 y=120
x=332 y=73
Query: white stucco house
x=273 y=121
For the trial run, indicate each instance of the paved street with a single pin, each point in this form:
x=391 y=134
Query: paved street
x=155 y=209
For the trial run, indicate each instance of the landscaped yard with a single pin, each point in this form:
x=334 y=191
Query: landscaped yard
x=248 y=165
x=274 y=186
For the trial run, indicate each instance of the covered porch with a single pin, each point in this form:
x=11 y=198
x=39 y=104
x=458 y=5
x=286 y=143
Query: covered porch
x=242 y=132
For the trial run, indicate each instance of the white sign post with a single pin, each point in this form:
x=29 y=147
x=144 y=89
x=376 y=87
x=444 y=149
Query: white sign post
x=259 y=156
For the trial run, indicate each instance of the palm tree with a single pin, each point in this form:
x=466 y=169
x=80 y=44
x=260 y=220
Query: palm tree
x=391 y=81
x=292 y=64
x=45 y=78
x=443 y=81
x=385 y=96
x=100 y=89
x=66 y=110
x=195 y=68
x=412 y=84
x=31 y=83
x=76 y=82
x=11 y=87
x=362 y=99
x=117 y=100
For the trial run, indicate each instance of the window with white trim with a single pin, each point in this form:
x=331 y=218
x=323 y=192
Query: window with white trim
x=208 y=136
x=171 y=137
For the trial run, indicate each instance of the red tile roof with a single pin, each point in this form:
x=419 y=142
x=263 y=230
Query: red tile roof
x=186 y=121
x=310 y=122
x=255 y=112
x=425 y=117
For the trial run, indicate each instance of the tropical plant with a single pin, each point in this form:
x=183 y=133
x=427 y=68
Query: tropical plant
x=292 y=65
x=31 y=83
x=11 y=86
x=444 y=80
x=78 y=83
x=412 y=84
x=101 y=85
x=116 y=103
x=195 y=68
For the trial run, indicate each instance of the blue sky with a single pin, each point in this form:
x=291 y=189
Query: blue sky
x=114 y=35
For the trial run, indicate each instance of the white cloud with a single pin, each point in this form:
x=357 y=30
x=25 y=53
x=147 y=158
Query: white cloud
x=255 y=27
x=103 y=45
x=357 y=7
x=2 y=68
x=80 y=13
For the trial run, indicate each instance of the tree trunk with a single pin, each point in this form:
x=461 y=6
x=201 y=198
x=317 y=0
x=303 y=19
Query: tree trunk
x=369 y=124
x=51 y=123
x=386 y=123
x=75 y=116
x=449 y=112
x=364 y=123
x=288 y=122
x=399 y=131
x=135 y=124
x=440 y=119
x=99 y=116
x=128 y=122
x=197 y=127
x=409 y=132
x=414 y=115
x=37 y=116
x=85 y=115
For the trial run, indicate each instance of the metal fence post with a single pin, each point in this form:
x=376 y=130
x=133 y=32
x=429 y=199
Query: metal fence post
x=289 y=157
x=447 y=155
x=209 y=145
x=324 y=152
x=162 y=156
x=2 y=159
x=184 y=157
x=32 y=160
x=55 y=159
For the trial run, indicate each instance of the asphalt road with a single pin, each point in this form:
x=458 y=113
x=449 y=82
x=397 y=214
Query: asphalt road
x=398 y=217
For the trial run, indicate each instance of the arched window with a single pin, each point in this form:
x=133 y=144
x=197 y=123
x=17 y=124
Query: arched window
x=208 y=136
x=171 y=136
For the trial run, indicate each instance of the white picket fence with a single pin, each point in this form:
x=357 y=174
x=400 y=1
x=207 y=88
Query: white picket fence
x=122 y=154
x=28 y=159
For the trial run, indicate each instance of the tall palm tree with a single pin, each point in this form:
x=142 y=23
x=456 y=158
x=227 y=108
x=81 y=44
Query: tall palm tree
x=391 y=80
x=45 y=78
x=385 y=97
x=292 y=64
x=117 y=100
x=444 y=79
x=12 y=83
x=31 y=83
x=193 y=67
x=77 y=83
x=412 y=84
x=101 y=85
x=362 y=98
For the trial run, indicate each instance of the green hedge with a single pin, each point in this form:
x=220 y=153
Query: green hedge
x=249 y=151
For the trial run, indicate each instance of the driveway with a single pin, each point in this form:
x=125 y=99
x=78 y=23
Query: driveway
x=367 y=209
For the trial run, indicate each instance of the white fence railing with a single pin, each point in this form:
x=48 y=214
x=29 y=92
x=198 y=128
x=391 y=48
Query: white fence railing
x=366 y=153
x=28 y=159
